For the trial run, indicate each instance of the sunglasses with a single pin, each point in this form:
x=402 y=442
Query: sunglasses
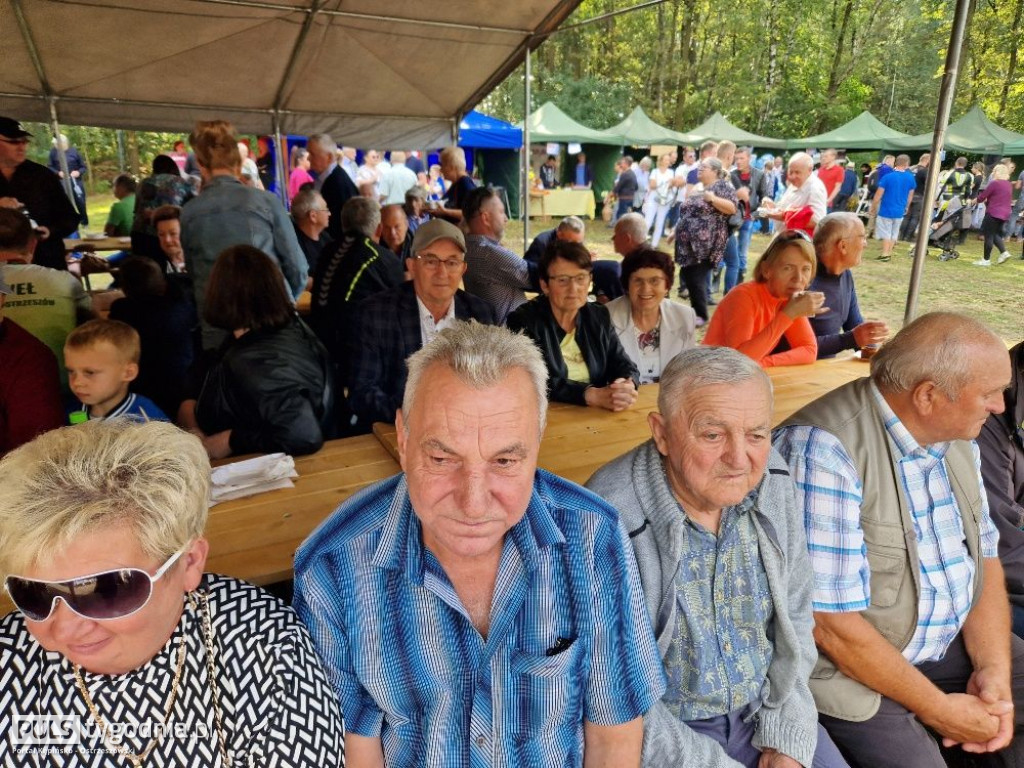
x=99 y=596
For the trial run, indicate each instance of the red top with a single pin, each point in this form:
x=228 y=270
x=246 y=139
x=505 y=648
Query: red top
x=831 y=177
x=29 y=387
x=751 y=320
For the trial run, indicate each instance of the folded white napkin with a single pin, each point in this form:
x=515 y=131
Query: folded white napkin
x=252 y=476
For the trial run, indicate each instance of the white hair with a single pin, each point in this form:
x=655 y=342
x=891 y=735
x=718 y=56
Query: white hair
x=699 y=367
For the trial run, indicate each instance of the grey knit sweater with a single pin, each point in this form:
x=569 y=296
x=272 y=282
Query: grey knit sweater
x=786 y=718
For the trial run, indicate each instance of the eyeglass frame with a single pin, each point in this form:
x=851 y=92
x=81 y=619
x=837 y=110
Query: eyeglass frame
x=22 y=141
x=562 y=281
x=67 y=583
x=432 y=261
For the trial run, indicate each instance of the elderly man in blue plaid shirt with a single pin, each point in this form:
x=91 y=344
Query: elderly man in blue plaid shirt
x=476 y=611
x=911 y=612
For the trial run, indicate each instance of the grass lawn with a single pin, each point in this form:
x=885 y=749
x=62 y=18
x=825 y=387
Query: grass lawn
x=994 y=295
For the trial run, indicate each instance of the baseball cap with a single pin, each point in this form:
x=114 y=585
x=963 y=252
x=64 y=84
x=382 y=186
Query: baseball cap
x=12 y=129
x=434 y=230
x=4 y=287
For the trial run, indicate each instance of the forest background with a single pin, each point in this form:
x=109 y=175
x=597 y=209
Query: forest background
x=781 y=68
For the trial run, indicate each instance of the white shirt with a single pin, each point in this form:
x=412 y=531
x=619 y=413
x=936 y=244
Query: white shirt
x=428 y=328
x=396 y=183
x=812 y=193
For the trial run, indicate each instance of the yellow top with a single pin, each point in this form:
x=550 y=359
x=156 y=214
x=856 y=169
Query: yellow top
x=574 y=359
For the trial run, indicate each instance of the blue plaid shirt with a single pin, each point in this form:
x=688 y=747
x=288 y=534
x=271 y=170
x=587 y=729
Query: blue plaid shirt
x=831 y=492
x=570 y=638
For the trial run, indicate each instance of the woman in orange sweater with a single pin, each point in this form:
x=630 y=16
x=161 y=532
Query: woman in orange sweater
x=767 y=319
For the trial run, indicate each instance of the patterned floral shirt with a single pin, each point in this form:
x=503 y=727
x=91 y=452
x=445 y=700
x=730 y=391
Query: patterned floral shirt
x=703 y=230
x=718 y=658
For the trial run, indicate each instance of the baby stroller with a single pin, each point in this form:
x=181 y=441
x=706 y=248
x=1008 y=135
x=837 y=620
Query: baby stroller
x=951 y=219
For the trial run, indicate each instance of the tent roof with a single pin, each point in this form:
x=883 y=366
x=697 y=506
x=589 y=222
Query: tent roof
x=865 y=131
x=549 y=123
x=481 y=131
x=638 y=130
x=370 y=72
x=718 y=128
x=971 y=133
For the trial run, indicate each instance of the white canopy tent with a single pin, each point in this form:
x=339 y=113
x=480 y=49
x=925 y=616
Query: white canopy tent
x=388 y=73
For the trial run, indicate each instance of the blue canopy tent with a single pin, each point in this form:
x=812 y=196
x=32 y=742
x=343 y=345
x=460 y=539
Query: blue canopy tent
x=494 y=146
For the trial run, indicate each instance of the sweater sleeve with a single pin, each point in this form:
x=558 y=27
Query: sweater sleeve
x=803 y=345
x=739 y=329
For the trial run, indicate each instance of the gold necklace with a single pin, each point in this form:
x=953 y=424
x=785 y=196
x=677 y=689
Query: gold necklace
x=135 y=759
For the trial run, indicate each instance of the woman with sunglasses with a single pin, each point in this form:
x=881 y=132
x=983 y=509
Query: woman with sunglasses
x=586 y=362
x=767 y=319
x=118 y=630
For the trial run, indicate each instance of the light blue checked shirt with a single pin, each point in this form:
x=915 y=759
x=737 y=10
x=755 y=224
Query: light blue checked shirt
x=410 y=668
x=831 y=493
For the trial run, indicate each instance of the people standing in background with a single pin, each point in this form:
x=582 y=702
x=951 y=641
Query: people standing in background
x=250 y=173
x=848 y=188
x=890 y=204
x=300 y=174
x=998 y=199
x=77 y=169
x=920 y=171
x=660 y=194
x=831 y=175
x=547 y=173
x=122 y=213
x=583 y=174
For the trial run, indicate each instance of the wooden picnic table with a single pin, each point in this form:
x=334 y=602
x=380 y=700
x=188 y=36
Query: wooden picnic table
x=579 y=440
x=97 y=244
x=255 y=538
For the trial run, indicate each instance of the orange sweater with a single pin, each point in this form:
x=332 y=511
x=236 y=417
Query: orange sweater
x=751 y=320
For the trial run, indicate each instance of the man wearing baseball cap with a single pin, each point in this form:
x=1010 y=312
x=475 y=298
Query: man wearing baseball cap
x=34 y=189
x=393 y=324
x=29 y=386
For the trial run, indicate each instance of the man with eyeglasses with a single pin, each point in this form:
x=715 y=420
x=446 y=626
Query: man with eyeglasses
x=32 y=188
x=395 y=323
x=839 y=241
x=494 y=273
x=311 y=217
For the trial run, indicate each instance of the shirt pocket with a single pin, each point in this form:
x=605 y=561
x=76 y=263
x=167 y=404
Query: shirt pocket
x=547 y=691
x=887 y=561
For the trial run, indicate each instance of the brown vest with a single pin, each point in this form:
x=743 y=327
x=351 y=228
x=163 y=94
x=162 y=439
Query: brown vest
x=851 y=415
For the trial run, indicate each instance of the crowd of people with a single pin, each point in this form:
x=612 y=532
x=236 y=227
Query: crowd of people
x=838 y=592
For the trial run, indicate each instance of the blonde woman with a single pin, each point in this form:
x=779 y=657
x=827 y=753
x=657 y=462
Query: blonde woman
x=119 y=628
x=998 y=199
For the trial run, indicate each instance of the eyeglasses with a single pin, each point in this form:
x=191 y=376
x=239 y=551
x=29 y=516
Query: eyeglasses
x=432 y=262
x=14 y=141
x=562 y=281
x=99 y=596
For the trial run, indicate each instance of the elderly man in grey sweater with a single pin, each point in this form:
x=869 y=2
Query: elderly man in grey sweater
x=720 y=544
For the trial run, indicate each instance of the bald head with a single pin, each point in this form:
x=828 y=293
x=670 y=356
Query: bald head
x=839 y=241
x=630 y=233
x=799 y=169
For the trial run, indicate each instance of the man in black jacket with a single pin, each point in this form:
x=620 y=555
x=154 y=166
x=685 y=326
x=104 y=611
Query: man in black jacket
x=1002 y=467
x=350 y=270
x=331 y=179
x=32 y=188
x=395 y=323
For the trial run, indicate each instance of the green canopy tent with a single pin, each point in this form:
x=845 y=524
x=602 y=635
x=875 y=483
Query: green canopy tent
x=971 y=133
x=865 y=131
x=639 y=130
x=549 y=123
x=718 y=128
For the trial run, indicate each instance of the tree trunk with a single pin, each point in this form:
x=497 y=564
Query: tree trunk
x=771 y=70
x=837 y=57
x=1011 y=66
x=133 y=153
x=687 y=58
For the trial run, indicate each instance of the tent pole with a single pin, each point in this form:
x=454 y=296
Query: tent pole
x=281 y=169
x=524 y=179
x=62 y=157
x=946 y=94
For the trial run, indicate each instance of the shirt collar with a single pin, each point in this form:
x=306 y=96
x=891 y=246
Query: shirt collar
x=401 y=543
x=906 y=445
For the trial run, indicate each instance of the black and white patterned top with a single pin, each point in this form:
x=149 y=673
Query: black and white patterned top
x=277 y=707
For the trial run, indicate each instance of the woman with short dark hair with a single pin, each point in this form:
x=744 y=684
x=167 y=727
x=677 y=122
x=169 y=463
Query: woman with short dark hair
x=269 y=386
x=585 y=360
x=652 y=328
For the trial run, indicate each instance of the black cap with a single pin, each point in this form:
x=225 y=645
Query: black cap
x=12 y=129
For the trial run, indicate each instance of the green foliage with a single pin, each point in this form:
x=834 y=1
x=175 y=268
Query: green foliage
x=777 y=67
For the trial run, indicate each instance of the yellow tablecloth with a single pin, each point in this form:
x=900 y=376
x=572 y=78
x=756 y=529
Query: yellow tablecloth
x=563 y=202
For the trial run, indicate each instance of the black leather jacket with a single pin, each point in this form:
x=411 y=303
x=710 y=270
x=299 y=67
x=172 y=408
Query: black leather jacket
x=272 y=389
x=602 y=351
